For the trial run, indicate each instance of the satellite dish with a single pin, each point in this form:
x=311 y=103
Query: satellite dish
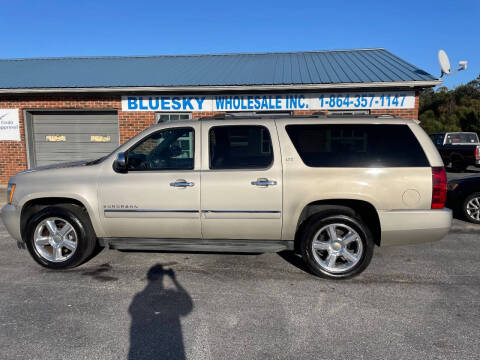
x=444 y=62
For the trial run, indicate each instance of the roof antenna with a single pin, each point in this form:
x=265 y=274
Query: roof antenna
x=445 y=64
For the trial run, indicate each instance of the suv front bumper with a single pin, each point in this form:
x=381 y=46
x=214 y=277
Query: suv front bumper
x=11 y=218
x=414 y=226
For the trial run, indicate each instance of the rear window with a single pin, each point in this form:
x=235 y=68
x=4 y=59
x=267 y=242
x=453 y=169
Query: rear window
x=361 y=145
x=462 y=138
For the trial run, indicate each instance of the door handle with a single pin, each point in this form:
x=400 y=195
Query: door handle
x=182 y=183
x=264 y=182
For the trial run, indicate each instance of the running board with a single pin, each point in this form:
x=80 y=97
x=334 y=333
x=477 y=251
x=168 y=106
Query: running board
x=220 y=245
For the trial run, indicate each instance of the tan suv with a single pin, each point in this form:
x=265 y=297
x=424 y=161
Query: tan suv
x=328 y=188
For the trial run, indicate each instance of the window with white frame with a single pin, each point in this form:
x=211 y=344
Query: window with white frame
x=165 y=117
x=253 y=113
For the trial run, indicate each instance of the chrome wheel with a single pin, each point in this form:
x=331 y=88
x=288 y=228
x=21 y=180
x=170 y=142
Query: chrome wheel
x=337 y=247
x=473 y=208
x=55 y=239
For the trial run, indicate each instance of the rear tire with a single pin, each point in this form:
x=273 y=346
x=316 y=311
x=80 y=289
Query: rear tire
x=337 y=246
x=458 y=164
x=60 y=237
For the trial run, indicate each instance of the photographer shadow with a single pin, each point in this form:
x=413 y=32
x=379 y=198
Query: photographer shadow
x=156 y=331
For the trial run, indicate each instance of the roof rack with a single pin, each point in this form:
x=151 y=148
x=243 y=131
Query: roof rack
x=246 y=115
x=378 y=116
x=249 y=116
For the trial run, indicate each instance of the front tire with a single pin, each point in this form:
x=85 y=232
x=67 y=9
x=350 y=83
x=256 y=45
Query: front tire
x=337 y=246
x=60 y=237
x=471 y=208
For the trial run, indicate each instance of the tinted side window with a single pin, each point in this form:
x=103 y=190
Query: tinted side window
x=240 y=147
x=360 y=145
x=169 y=149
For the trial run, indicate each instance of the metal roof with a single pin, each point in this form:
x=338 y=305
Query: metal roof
x=314 y=69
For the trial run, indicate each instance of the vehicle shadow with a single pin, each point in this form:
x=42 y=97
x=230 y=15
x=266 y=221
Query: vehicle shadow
x=458 y=215
x=156 y=331
x=295 y=259
x=186 y=252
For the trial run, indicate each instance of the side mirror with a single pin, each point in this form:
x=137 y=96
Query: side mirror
x=120 y=164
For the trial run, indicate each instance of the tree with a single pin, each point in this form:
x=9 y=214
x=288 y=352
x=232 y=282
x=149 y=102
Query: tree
x=451 y=110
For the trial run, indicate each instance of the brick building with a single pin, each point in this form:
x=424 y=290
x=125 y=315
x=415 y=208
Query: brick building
x=64 y=109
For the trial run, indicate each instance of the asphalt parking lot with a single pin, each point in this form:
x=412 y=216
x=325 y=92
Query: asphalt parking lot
x=413 y=302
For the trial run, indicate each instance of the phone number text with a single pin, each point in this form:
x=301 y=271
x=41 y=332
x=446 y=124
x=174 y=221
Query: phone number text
x=362 y=101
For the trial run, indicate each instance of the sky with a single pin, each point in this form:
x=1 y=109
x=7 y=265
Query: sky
x=413 y=30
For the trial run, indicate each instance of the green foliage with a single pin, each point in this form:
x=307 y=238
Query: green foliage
x=451 y=110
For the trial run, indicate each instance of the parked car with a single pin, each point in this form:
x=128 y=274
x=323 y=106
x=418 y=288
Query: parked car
x=464 y=198
x=329 y=188
x=460 y=149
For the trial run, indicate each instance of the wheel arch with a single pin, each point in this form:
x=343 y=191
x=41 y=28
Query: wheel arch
x=33 y=206
x=456 y=156
x=359 y=208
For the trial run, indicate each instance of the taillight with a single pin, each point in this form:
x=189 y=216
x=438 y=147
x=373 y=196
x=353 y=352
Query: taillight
x=439 y=187
x=477 y=152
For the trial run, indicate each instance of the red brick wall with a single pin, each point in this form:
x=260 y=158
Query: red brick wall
x=13 y=155
x=200 y=114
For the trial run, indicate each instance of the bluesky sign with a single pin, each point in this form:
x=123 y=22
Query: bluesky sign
x=270 y=102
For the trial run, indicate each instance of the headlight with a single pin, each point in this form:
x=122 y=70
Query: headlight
x=452 y=186
x=10 y=191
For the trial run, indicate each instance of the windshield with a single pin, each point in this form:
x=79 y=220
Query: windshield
x=462 y=138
